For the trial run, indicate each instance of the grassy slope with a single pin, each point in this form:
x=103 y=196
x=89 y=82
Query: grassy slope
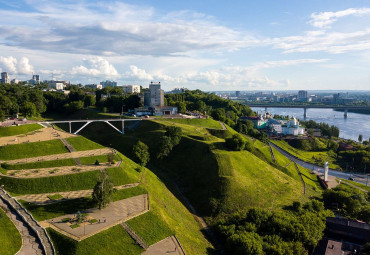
x=27 y=150
x=80 y=143
x=79 y=181
x=307 y=155
x=10 y=238
x=207 y=123
x=216 y=181
x=17 y=130
x=43 y=164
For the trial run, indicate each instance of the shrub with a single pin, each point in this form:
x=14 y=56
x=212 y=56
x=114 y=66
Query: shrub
x=236 y=142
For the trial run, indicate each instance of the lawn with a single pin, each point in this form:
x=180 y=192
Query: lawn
x=42 y=164
x=70 y=182
x=308 y=156
x=17 y=130
x=101 y=158
x=157 y=231
x=126 y=193
x=80 y=143
x=28 y=150
x=10 y=239
x=113 y=241
x=206 y=123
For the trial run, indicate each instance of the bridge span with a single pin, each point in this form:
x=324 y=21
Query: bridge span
x=305 y=107
x=87 y=122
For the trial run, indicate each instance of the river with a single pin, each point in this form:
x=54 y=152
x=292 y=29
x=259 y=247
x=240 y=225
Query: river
x=350 y=127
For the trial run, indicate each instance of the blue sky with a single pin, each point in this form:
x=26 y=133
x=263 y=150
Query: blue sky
x=210 y=45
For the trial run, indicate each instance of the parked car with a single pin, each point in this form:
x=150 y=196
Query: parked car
x=146 y=116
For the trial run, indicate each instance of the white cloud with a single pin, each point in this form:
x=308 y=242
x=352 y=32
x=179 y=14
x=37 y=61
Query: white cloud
x=13 y=66
x=325 y=19
x=95 y=66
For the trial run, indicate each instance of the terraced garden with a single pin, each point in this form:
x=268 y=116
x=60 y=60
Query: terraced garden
x=53 y=180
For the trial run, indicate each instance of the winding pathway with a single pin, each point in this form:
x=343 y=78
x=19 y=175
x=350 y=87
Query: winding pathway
x=42 y=237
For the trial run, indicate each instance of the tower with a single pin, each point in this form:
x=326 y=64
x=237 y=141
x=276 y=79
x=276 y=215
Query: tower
x=326 y=171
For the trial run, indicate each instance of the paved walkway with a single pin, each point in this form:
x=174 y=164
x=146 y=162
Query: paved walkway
x=169 y=245
x=62 y=170
x=42 y=236
x=30 y=243
x=116 y=213
x=76 y=154
x=42 y=199
x=39 y=135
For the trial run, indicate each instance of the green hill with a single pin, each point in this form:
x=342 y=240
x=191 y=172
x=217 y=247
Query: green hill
x=167 y=215
x=216 y=181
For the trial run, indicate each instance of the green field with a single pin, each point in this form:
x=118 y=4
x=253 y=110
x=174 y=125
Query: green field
x=157 y=231
x=78 y=181
x=101 y=158
x=114 y=241
x=17 y=130
x=28 y=150
x=308 y=155
x=10 y=238
x=80 y=143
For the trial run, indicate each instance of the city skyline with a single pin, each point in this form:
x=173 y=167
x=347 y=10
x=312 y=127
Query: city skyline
x=213 y=46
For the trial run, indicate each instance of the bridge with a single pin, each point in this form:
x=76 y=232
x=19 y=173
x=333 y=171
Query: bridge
x=305 y=107
x=87 y=122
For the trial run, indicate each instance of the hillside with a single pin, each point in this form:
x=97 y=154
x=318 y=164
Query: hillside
x=216 y=181
x=53 y=179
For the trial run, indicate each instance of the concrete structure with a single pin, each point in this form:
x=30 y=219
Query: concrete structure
x=5 y=78
x=94 y=86
x=155 y=96
x=108 y=83
x=168 y=110
x=130 y=89
x=302 y=95
x=292 y=127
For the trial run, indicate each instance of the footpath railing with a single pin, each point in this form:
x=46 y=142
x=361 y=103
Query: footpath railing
x=300 y=175
x=41 y=233
x=135 y=236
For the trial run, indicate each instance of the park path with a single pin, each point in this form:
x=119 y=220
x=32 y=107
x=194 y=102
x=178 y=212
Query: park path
x=61 y=170
x=44 y=134
x=42 y=199
x=169 y=245
x=76 y=154
x=30 y=243
x=42 y=236
x=116 y=213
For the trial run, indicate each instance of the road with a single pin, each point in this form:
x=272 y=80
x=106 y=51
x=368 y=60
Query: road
x=356 y=177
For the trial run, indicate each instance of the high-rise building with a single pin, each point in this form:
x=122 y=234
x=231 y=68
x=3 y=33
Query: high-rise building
x=302 y=94
x=155 y=96
x=237 y=93
x=108 y=83
x=35 y=79
x=5 y=77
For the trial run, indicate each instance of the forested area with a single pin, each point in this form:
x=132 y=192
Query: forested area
x=32 y=101
x=295 y=230
x=325 y=129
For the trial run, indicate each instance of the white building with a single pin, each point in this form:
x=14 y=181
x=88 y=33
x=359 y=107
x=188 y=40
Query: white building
x=130 y=89
x=292 y=127
x=57 y=85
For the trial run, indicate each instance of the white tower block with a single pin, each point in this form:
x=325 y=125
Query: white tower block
x=326 y=171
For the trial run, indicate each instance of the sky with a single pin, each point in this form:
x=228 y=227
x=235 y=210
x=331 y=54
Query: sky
x=210 y=45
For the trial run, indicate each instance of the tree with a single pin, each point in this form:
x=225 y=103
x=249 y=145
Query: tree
x=236 y=142
x=89 y=100
x=175 y=134
x=74 y=106
x=29 y=109
x=165 y=147
x=360 y=138
x=103 y=190
x=141 y=153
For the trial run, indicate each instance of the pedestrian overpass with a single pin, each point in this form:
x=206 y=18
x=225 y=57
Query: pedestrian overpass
x=87 y=122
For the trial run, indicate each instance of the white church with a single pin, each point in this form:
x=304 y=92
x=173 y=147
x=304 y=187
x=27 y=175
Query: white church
x=292 y=127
